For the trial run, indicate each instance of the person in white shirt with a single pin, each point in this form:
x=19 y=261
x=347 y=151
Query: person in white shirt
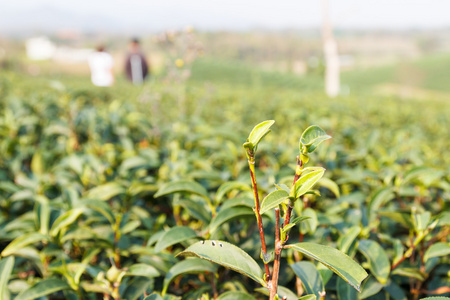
x=101 y=64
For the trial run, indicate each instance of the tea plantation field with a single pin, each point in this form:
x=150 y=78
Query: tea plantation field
x=101 y=189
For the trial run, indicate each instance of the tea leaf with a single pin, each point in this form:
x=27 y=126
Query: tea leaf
x=188 y=266
x=310 y=224
x=6 y=267
x=437 y=250
x=256 y=135
x=106 y=191
x=421 y=220
x=135 y=288
x=43 y=288
x=228 y=214
x=346 y=241
x=345 y=291
x=174 y=236
x=378 y=198
x=281 y=292
x=143 y=270
x=378 y=259
x=23 y=241
x=306 y=182
x=227 y=255
x=338 y=262
x=228 y=187
x=153 y=296
x=182 y=186
x=311 y=138
x=311 y=279
x=370 y=287
x=65 y=220
x=331 y=185
x=402 y=218
x=272 y=200
x=308 y=297
x=409 y=272
x=235 y=295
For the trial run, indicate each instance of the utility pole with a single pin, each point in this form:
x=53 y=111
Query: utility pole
x=332 y=65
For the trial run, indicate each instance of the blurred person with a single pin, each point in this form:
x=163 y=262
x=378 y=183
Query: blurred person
x=101 y=64
x=136 y=66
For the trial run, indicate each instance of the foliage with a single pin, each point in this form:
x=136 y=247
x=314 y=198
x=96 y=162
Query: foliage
x=101 y=190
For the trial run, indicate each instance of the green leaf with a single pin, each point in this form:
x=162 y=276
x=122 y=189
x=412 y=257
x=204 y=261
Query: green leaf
x=103 y=208
x=310 y=224
x=421 y=220
x=106 y=191
x=84 y=263
x=294 y=222
x=228 y=187
x=444 y=218
x=130 y=226
x=240 y=201
x=174 y=236
x=43 y=288
x=65 y=220
x=331 y=185
x=435 y=298
x=415 y=173
x=395 y=291
x=143 y=270
x=370 y=287
x=272 y=200
x=188 y=266
x=235 y=295
x=44 y=214
x=409 y=272
x=345 y=291
x=135 y=288
x=308 y=297
x=378 y=198
x=228 y=214
x=196 y=209
x=6 y=267
x=437 y=250
x=281 y=292
x=402 y=218
x=378 y=260
x=256 y=135
x=311 y=138
x=311 y=279
x=37 y=164
x=306 y=182
x=182 y=186
x=346 y=241
x=338 y=262
x=227 y=255
x=23 y=241
x=398 y=251
x=153 y=296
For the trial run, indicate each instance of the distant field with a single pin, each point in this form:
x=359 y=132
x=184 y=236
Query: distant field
x=430 y=73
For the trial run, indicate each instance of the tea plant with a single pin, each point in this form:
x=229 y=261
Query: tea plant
x=100 y=192
x=232 y=257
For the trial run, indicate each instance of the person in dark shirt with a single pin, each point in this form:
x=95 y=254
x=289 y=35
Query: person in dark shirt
x=136 y=66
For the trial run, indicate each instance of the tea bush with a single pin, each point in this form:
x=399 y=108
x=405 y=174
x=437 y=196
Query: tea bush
x=103 y=191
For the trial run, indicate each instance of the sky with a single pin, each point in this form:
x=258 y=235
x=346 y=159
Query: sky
x=222 y=14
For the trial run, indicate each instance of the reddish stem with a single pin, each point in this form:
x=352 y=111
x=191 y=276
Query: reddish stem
x=277 y=260
x=297 y=176
x=251 y=164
